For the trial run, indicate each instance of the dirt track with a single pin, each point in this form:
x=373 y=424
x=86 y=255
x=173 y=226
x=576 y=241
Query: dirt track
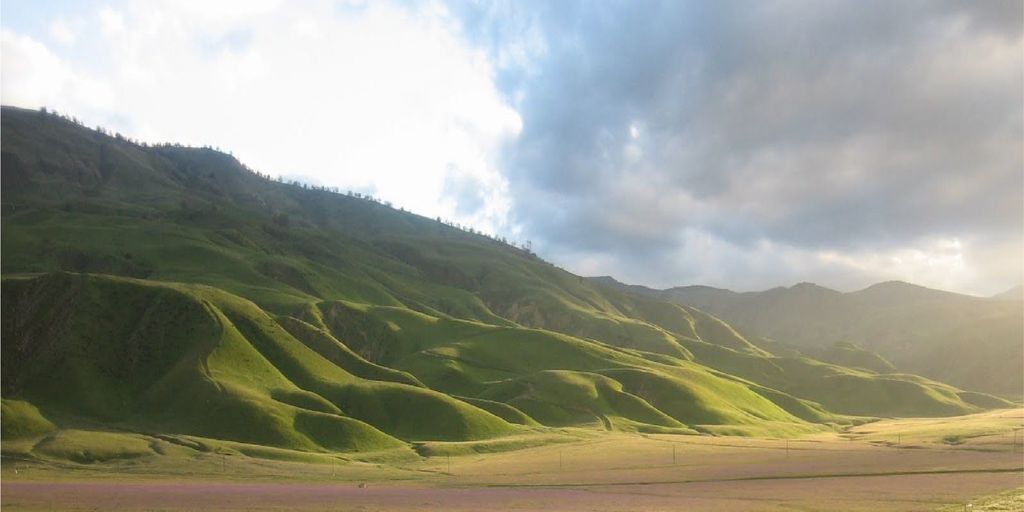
x=611 y=472
x=891 y=492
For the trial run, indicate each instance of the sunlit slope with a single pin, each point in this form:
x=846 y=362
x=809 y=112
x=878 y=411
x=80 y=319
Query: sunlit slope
x=306 y=303
x=554 y=378
x=466 y=358
x=971 y=342
x=78 y=200
x=855 y=356
x=195 y=360
x=187 y=359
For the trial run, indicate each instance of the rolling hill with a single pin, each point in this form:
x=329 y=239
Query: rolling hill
x=172 y=291
x=971 y=342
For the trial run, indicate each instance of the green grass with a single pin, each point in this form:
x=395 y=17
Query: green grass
x=171 y=291
x=234 y=373
x=505 y=444
x=966 y=341
x=87 y=447
x=21 y=419
x=564 y=398
x=854 y=356
x=1002 y=426
x=843 y=390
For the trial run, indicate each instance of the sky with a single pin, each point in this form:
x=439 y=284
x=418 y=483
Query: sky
x=742 y=144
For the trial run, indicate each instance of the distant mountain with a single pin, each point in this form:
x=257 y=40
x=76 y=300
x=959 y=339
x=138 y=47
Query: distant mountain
x=973 y=342
x=173 y=291
x=894 y=293
x=1015 y=293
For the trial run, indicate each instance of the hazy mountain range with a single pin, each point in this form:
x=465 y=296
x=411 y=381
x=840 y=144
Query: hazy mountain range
x=968 y=341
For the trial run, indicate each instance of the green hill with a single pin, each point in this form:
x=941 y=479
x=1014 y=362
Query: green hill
x=972 y=342
x=855 y=356
x=172 y=291
x=189 y=359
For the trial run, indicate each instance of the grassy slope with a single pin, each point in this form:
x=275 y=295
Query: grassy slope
x=855 y=356
x=332 y=322
x=967 y=341
x=225 y=370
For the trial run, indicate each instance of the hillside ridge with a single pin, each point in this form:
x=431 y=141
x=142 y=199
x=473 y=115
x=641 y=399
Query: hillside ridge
x=914 y=327
x=300 y=318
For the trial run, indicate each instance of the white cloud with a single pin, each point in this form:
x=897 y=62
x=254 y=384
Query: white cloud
x=33 y=76
x=31 y=73
x=937 y=262
x=391 y=99
x=375 y=97
x=945 y=263
x=111 y=22
x=62 y=33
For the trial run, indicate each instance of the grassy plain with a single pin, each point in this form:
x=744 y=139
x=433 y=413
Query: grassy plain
x=900 y=464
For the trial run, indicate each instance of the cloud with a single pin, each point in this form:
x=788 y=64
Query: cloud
x=33 y=76
x=62 y=33
x=31 y=72
x=383 y=97
x=823 y=136
x=744 y=145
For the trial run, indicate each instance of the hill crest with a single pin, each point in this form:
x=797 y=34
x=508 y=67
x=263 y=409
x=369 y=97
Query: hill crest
x=351 y=315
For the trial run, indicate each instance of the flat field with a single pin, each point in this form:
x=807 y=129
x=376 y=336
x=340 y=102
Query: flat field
x=905 y=465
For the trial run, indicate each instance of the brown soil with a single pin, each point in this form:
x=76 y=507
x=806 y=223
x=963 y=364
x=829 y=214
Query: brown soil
x=892 y=492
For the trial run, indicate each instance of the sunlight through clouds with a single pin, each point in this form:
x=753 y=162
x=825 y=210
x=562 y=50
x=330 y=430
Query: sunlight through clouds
x=666 y=143
x=380 y=98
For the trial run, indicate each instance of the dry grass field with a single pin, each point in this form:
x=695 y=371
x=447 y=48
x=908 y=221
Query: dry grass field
x=906 y=464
